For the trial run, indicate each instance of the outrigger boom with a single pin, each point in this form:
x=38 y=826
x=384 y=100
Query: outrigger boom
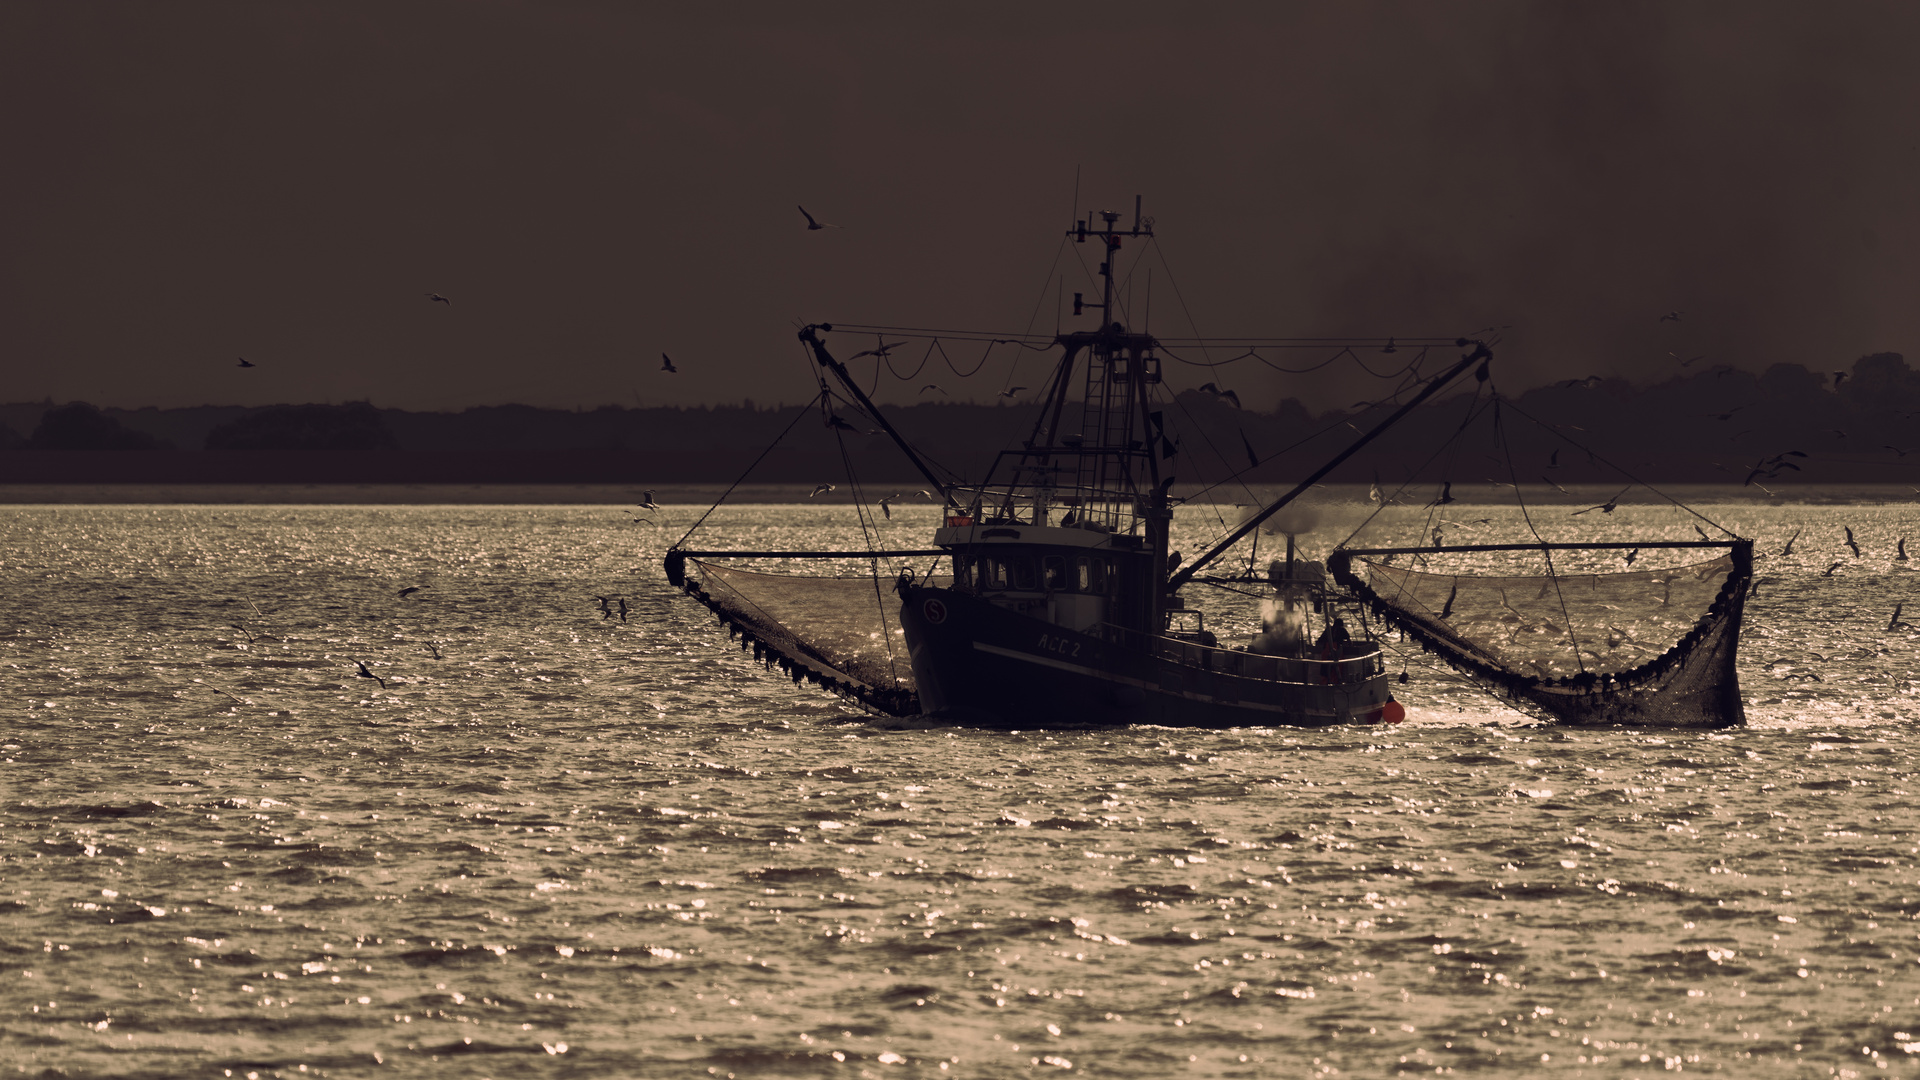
x=1480 y=352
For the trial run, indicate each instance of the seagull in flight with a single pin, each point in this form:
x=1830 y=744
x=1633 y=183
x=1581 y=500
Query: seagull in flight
x=1788 y=550
x=813 y=225
x=1011 y=391
x=1671 y=316
x=1556 y=486
x=1850 y=541
x=931 y=386
x=244 y=362
x=438 y=299
x=410 y=590
x=1607 y=507
x=886 y=507
x=880 y=352
x=1769 y=467
x=646 y=501
x=666 y=364
x=1225 y=395
x=1446 y=494
x=1689 y=361
x=821 y=488
x=365 y=674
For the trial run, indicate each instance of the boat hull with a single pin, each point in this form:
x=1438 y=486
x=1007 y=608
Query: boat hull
x=983 y=665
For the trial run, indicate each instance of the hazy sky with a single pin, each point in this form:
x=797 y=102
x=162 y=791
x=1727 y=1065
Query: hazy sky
x=593 y=183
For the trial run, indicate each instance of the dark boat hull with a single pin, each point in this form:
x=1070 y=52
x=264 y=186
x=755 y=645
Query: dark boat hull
x=980 y=664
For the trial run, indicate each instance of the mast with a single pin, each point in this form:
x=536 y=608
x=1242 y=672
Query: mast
x=1102 y=459
x=1120 y=366
x=1480 y=352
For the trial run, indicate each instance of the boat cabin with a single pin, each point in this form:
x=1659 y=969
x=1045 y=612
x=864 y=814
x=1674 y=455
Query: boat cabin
x=1076 y=578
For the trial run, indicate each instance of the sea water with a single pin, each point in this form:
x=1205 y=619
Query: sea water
x=538 y=839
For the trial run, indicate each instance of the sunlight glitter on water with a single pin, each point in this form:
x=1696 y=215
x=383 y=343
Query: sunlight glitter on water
x=571 y=844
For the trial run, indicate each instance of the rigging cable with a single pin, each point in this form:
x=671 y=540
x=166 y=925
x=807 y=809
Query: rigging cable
x=1388 y=500
x=1298 y=443
x=1026 y=340
x=1013 y=371
x=1253 y=354
x=1201 y=430
x=1401 y=587
x=1343 y=421
x=1546 y=550
x=1154 y=245
x=861 y=514
x=925 y=358
x=953 y=477
x=934 y=345
x=1048 y=280
x=1570 y=441
x=915 y=373
x=1033 y=341
x=798 y=415
x=1474 y=411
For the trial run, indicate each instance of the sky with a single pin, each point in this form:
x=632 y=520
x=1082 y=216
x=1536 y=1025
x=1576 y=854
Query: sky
x=593 y=184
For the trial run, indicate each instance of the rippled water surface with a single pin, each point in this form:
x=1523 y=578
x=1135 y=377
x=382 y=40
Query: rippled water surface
x=559 y=844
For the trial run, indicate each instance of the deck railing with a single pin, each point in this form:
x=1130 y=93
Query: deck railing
x=1359 y=660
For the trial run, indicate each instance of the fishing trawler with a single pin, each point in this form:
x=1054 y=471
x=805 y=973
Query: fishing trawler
x=1052 y=599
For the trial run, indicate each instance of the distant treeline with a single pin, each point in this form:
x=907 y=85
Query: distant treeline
x=1705 y=426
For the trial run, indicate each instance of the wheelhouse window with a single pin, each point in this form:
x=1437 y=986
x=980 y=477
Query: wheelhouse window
x=1065 y=572
x=1022 y=572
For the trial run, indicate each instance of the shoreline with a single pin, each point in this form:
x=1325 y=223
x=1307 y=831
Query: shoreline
x=797 y=494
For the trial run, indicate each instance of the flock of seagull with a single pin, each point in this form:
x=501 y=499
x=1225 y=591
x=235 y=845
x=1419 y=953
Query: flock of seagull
x=1771 y=466
x=612 y=607
x=667 y=364
x=1766 y=468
